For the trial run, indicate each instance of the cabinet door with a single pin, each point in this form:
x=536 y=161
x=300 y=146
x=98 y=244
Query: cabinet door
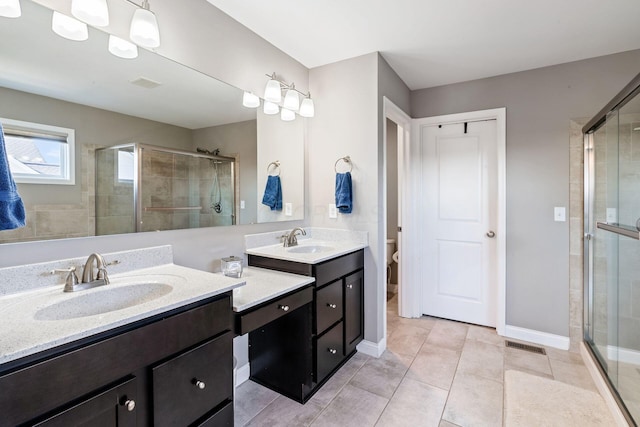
x=353 y=311
x=114 y=407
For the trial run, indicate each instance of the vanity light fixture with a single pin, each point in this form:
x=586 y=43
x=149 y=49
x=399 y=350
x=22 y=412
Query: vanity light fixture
x=273 y=94
x=144 y=27
x=291 y=99
x=273 y=91
x=250 y=100
x=270 y=108
x=10 y=8
x=287 y=115
x=68 y=27
x=93 y=12
x=306 y=108
x=122 y=48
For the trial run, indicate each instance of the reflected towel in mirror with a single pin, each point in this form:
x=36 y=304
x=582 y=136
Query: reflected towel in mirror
x=12 y=213
x=344 y=192
x=273 y=193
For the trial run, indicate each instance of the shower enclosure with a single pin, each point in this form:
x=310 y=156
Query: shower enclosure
x=612 y=248
x=142 y=187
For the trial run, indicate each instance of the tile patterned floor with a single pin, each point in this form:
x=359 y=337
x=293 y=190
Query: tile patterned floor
x=434 y=372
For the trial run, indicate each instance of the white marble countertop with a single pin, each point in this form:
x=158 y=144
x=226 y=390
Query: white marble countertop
x=328 y=249
x=40 y=319
x=263 y=285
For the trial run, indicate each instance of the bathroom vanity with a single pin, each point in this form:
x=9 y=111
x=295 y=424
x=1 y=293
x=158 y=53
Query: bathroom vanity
x=160 y=359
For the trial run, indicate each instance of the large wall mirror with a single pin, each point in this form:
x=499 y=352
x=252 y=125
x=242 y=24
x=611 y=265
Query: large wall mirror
x=135 y=126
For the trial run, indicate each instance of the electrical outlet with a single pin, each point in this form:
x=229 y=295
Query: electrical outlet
x=288 y=209
x=333 y=211
x=559 y=214
x=241 y=204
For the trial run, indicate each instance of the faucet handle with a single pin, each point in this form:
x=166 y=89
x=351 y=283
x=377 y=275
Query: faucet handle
x=71 y=280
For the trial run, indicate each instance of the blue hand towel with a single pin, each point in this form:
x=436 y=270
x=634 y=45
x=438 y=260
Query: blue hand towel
x=11 y=208
x=273 y=193
x=344 y=192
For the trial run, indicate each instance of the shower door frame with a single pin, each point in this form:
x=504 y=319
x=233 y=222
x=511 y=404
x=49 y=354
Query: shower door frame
x=631 y=90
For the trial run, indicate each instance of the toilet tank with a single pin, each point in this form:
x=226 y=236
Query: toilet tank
x=391 y=248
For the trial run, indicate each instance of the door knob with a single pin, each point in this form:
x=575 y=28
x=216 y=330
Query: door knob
x=491 y=234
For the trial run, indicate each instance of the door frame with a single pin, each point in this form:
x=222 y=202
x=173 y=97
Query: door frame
x=500 y=115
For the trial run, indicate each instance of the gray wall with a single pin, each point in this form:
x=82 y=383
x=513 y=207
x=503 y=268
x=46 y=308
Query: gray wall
x=539 y=105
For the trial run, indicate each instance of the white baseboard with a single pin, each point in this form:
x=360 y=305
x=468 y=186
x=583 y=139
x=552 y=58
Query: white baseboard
x=243 y=373
x=371 y=348
x=602 y=387
x=537 y=337
x=624 y=355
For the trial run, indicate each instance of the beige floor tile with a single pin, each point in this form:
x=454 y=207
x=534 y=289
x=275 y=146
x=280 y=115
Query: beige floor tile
x=414 y=404
x=407 y=339
x=435 y=366
x=284 y=412
x=572 y=373
x=424 y=322
x=482 y=359
x=352 y=407
x=382 y=376
x=331 y=388
x=474 y=401
x=484 y=334
x=250 y=399
x=564 y=355
x=521 y=360
x=445 y=423
x=448 y=334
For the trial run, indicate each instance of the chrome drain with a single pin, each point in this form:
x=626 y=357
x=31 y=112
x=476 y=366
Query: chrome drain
x=525 y=347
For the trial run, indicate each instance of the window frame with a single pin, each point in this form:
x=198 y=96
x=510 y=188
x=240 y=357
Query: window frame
x=67 y=166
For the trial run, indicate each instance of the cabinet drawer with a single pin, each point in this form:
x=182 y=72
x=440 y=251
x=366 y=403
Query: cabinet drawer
x=260 y=316
x=221 y=418
x=333 y=269
x=177 y=398
x=328 y=306
x=329 y=351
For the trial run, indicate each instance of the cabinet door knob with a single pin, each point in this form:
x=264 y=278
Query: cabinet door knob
x=130 y=404
x=199 y=384
x=332 y=350
x=349 y=286
x=283 y=307
x=331 y=305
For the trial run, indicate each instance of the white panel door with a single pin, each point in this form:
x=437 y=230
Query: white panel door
x=459 y=173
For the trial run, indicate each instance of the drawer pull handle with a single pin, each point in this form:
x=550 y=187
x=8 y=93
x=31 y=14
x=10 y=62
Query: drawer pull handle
x=349 y=286
x=130 y=404
x=331 y=305
x=283 y=307
x=199 y=384
x=332 y=350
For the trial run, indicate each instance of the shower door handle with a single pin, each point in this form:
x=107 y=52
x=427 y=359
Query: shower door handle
x=491 y=234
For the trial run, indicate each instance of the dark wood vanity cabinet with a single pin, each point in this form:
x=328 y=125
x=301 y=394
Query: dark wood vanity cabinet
x=337 y=312
x=173 y=369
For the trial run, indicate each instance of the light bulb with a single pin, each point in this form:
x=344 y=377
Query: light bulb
x=272 y=92
x=250 y=100
x=306 y=108
x=68 y=27
x=291 y=100
x=144 y=28
x=122 y=48
x=270 y=108
x=93 y=12
x=10 y=8
x=287 y=115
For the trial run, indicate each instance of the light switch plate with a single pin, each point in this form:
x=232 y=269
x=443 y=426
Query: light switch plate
x=559 y=214
x=288 y=209
x=333 y=211
x=241 y=204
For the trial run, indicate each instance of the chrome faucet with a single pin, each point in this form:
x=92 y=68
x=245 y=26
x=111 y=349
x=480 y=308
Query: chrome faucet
x=102 y=278
x=290 y=238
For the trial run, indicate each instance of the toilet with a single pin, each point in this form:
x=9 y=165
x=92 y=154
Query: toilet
x=391 y=251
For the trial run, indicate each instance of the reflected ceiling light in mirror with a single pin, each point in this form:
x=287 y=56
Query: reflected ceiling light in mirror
x=144 y=27
x=270 y=108
x=68 y=27
x=10 y=8
x=250 y=100
x=306 y=108
x=93 y=12
x=122 y=48
x=291 y=99
x=287 y=115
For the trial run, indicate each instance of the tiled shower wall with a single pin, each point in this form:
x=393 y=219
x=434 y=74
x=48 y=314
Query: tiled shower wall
x=576 y=232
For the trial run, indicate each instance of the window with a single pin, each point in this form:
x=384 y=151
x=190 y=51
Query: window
x=40 y=154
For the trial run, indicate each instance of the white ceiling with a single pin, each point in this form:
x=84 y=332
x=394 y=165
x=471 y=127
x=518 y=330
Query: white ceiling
x=437 y=42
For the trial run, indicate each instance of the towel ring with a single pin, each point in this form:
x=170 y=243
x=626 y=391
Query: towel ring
x=345 y=159
x=276 y=165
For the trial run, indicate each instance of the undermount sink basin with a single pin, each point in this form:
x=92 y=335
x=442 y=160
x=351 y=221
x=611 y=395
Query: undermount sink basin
x=309 y=249
x=103 y=300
